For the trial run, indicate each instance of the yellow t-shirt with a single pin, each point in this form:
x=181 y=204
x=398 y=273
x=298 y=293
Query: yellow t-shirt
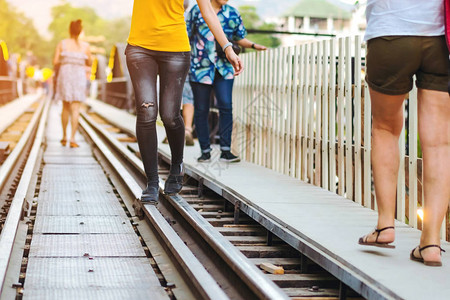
x=159 y=25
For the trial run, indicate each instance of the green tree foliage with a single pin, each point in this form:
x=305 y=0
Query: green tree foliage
x=20 y=35
x=249 y=16
x=114 y=31
x=65 y=13
x=253 y=21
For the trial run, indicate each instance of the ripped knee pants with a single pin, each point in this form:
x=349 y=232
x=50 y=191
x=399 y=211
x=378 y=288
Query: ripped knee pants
x=146 y=67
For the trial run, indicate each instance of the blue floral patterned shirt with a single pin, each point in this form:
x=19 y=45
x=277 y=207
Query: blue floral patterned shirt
x=204 y=58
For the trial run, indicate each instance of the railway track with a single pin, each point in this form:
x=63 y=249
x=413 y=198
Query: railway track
x=16 y=136
x=16 y=174
x=229 y=243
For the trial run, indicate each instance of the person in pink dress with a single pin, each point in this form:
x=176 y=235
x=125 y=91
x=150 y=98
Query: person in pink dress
x=71 y=57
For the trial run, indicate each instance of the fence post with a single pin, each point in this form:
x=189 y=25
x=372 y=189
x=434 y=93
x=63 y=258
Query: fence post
x=332 y=116
x=340 y=118
x=325 y=139
x=412 y=132
x=401 y=192
x=348 y=121
x=357 y=104
x=294 y=112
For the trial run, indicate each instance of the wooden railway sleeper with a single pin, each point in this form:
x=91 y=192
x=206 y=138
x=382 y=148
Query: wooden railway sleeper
x=303 y=263
x=269 y=238
x=343 y=289
x=200 y=188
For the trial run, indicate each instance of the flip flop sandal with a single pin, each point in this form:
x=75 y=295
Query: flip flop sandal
x=363 y=240
x=420 y=259
x=63 y=142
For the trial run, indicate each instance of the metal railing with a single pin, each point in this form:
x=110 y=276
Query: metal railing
x=117 y=90
x=8 y=89
x=305 y=111
x=8 y=84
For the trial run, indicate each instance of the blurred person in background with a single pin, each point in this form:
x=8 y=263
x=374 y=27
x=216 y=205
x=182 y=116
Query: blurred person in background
x=211 y=71
x=47 y=75
x=71 y=57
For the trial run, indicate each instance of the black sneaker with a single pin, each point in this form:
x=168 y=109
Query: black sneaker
x=150 y=194
x=174 y=182
x=205 y=157
x=227 y=156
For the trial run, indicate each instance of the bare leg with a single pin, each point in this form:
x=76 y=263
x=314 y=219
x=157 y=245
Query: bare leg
x=387 y=123
x=75 y=112
x=434 y=131
x=65 y=118
x=188 y=116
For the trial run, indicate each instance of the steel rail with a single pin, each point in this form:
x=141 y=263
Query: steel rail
x=204 y=283
x=8 y=165
x=15 y=211
x=263 y=287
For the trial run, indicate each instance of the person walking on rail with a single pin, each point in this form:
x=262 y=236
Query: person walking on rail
x=158 y=45
x=406 y=38
x=210 y=70
x=71 y=57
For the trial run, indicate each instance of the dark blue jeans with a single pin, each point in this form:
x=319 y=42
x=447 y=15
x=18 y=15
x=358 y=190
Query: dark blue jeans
x=223 y=89
x=144 y=65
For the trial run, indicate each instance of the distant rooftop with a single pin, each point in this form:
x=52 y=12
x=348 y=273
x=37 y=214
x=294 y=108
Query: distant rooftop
x=317 y=9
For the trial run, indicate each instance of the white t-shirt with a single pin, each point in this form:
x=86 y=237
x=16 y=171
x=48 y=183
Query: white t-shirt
x=404 y=17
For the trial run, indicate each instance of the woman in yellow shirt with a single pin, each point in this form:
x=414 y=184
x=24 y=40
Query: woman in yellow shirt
x=158 y=45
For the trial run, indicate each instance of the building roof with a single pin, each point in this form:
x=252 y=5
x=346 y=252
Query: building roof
x=317 y=9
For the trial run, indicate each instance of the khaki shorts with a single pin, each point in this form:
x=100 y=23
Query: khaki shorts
x=393 y=60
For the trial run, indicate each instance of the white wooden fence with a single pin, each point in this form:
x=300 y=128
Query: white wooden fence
x=305 y=111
